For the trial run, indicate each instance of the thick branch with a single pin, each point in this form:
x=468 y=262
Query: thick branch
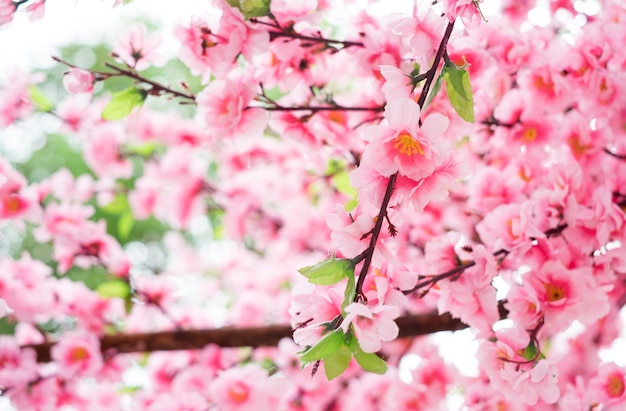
x=410 y=326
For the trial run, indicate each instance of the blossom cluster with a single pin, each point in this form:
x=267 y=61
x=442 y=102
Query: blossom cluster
x=430 y=162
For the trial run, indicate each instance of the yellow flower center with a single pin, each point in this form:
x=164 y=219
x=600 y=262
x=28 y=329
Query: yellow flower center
x=407 y=145
x=337 y=117
x=615 y=385
x=578 y=148
x=79 y=354
x=530 y=134
x=12 y=204
x=554 y=292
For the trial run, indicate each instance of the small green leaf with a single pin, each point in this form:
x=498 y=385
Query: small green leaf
x=119 y=205
x=434 y=91
x=122 y=103
x=328 y=272
x=368 y=361
x=254 y=8
x=530 y=352
x=39 y=100
x=337 y=362
x=349 y=293
x=114 y=288
x=125 y=225
x=459 y=91
x=144 y=150
x=371 y=362
x=341 y=180
x=325 y=347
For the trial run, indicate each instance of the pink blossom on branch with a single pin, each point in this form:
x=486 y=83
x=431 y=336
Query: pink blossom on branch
x=404 y=146
x=223 y=106
x=371 y=325
x=78 y=353
x=137 y=48
x=78 y=81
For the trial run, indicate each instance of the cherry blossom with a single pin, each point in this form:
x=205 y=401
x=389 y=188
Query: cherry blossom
x=269 y=220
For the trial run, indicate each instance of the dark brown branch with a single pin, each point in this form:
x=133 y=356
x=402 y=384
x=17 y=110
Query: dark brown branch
x=369 y=252
x=618 y=156
x=290 y=33
x=156 y=88
x=410 y=326
x=315 y=109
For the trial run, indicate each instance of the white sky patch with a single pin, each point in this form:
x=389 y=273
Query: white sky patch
x=30 y=44
x=458 y=348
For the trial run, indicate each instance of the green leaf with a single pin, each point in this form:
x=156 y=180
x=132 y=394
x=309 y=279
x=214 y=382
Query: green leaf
x=114 y=288
x=125 y=225
x=371 y=362
x=434 y=91
x=459 y=91
x=349 y=293
x=119 y=205
x=325 y=347
x=368 y=361
x=328 y=272
x=144 y=150
x=253 y=8
x=341 y=180
x=337 y=362
x=530 y=352
x=40 y=101
x=123 y=102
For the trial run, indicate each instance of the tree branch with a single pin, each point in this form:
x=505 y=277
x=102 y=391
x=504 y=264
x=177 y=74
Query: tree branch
x=410 y=326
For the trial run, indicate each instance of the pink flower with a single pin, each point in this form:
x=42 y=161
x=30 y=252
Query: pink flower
x=137 y=49
x=539 y=382
x=210 y=46
x=404 y=146
x=18 y=366
x=36 y=10
x=78 y=353
x=245 y=388
x=104 y=152
x=15 y=101
x=566 y=294
x=610 y=385
x=466 y=9
x=371 y=325
x=223 y=107
x=78 y=80
x=7 y=10
x=422 y=32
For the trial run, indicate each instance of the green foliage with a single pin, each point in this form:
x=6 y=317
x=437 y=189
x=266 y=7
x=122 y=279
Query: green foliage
x=123 y=102
x=328 y=272
x=39 y=100
x=54 y=155
x=368 y=361
x=251 y=8
x=114 y=288
x=349 y=293
x=7 y=327
x=325 y=347
x=459 y=90
x=92 y=277
x=337 y=362
x=341 y=180
x=434 y=90
x=336 y=349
